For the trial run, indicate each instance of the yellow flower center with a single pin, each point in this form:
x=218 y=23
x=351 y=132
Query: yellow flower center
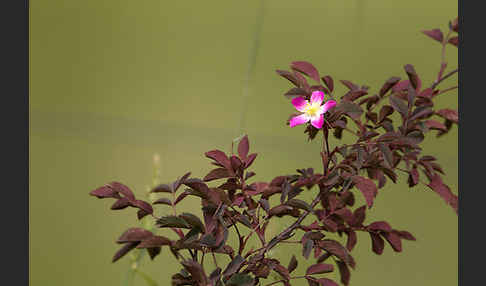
x=312 y=109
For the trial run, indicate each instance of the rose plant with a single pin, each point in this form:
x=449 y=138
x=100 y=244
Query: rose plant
x=388 y=127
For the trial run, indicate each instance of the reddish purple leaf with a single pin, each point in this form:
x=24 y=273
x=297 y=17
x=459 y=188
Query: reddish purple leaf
x=121 y=188
x=196 y=271
x=405 y=235
x=233 y=266
x=193 y=220
x=143 y=205
x=449 y=114
x=388 y=85
x=124 y=250
x=134 y=234
x=290 y=76
x=280 y=210
x=385 y=111
x=367 y=187
x=352 y=239
x=153 y=252
x=180 y=181
x=180 y=198
x=162 y=188
x=443 y=191
x=105 y=192
x=377 y=243
x=346 y=214
x=352 y=109
x=359 y=216
x=235 y=163
x=413 y=177
x=154 y=241
x=296 y=92
x=250 y=159
x=338 y=250
x=435 y=34
x=121 y=204
x=413 y=77
x=243 y=147
x=344 y=272
x=394 y=241
x=380 y=225
x=319 y=269
x=220 y=157
x=454 y=41
x=398 y=105
x=293 y=264
x=307 y=69
x=400 y=86
x=163 y=201
x=433 y=124
x=328 y=81
x=198 y=185
x=421 y=112
x=141 y=214
x=218 y=173
x=330 y=224
x=349 y=84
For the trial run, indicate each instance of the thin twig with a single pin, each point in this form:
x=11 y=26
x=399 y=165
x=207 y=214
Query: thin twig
x=293 y=226
x=443 y=78
x=448 y=89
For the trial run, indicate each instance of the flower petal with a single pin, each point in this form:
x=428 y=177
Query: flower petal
x=300 y=119
x=328 y=105
x=300 y=103
x=317 y=122
x=317 y=97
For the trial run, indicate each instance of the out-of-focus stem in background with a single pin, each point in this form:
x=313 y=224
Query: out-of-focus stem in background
x=250 y=73
x=148 y=224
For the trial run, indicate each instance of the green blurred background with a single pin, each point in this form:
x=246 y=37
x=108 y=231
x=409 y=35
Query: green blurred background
x=114 y=82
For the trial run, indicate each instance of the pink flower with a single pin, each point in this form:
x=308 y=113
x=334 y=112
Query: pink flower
x=313 y=111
